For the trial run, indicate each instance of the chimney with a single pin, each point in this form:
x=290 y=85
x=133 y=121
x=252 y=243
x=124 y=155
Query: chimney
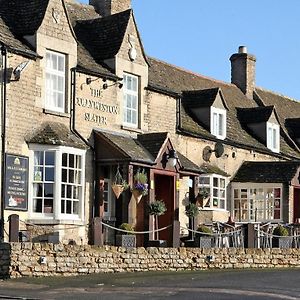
x=110 y=7
x=243 y=71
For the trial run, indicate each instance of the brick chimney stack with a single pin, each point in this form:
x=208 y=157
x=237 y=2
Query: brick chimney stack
x=243 y=71
x=110 y=7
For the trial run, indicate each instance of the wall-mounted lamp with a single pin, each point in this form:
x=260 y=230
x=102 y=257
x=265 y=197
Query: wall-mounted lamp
x=170 y=159
x=18 y=70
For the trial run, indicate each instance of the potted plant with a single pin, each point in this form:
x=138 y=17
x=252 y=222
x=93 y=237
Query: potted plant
x=191 y=210
x=202 y=197
x=140 y=185
x=281 y=238
x=126 y=239
x=204 y=238
x=157 y=208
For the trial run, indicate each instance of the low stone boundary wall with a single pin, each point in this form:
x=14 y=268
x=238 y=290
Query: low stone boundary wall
x=34 y=259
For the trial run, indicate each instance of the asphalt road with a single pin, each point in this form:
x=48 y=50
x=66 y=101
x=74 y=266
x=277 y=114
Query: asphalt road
x=223 y=284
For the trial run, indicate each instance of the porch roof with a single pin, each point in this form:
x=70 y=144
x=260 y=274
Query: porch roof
x=268 y=172
x=146 y=148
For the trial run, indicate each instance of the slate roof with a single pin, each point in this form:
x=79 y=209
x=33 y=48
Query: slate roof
x=167 y=77
x=23 y=17
x=145 y=148
x=254 y=114
x=53 y=133
x=272 y=172
x=103 y=37
x=293 y=127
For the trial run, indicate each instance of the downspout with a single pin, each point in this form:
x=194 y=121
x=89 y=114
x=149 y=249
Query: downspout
x=75 y=131
x=3 y=135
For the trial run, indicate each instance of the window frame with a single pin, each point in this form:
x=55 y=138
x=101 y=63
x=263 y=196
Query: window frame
x=275 y=132
x=215 y=122
x=132 y=93
x=49 y=92
x=212 y=189
x=249 y=193
x=57 y=196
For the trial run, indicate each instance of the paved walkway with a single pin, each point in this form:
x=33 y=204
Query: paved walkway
x=223 y=284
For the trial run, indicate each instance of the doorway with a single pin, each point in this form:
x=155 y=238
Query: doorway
x=165 y=190
x=296 y=204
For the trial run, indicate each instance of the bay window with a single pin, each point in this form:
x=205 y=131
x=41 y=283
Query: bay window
x=57 y=182
x=215 y=185
x=55 y=81
x=257 y=202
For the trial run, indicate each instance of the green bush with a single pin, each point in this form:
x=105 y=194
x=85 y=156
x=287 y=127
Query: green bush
x=191 y=210
x=157 y=208
x=127 y=227
x=280 y=231
x=204 y=229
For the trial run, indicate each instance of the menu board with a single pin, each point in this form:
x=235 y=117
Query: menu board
x=16 y=182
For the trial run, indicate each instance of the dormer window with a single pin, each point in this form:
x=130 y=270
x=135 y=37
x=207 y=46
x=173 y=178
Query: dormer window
x=273 y=137
x=218 y=123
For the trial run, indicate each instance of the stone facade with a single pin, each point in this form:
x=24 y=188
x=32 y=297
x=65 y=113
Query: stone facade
x=27 y=259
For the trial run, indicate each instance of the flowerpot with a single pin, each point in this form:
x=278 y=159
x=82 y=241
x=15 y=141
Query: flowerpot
x=117 y=189
x=282 y=242
x=203 y=241
x=126 y=240
x=137 y=195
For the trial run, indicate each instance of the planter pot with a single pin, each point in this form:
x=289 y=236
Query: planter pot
x=137 y=195
x=117 y=189
x=158 y=243
x=282 y=242
x=126 y=240
x=203 y=241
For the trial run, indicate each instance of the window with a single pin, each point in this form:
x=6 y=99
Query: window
x=273 y=137
x=131 y=100
x=216 y=187
x=218 y=122
x=57 y=182
x=55 y=81
x=257 y=203
x=107 y=198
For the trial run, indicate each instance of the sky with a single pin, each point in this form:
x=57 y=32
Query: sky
x=201 y=35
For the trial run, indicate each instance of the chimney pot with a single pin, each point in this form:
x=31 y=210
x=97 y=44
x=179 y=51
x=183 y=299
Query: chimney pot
x=242 y=49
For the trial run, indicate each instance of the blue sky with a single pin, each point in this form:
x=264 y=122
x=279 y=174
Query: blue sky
x=201 y=35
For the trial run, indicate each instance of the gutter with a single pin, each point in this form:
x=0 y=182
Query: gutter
x=3 y=137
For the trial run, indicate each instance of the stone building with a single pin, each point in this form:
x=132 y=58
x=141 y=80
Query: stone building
x=84 y=108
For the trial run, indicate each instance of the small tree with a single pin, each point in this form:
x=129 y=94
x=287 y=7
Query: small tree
x=157 y=208
x=192 y=211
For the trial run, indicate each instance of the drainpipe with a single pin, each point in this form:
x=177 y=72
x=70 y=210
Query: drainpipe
x=3 y=135
x=74 y=130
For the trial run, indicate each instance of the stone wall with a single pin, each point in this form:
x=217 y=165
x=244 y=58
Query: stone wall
x=25 y=259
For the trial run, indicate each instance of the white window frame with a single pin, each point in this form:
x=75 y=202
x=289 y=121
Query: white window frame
x=216 y=192
x=218 y=122
x=252 y=208
x=131 y=109
x=57 y=198
x=59 y=76
x=273 y=137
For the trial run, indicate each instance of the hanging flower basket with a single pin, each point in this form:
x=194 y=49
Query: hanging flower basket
x=117 y=189
x=140 y=186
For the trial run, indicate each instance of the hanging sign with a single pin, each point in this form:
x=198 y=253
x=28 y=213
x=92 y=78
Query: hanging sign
x=16 y=182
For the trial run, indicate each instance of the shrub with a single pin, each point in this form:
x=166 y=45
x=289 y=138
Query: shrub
x=191 y=210
x=204 y=229
x=280 y=231
x=127 y=227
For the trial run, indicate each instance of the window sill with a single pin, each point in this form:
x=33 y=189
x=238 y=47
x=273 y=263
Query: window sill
x=132 y=129
x=55 y=222
x=56 y=113
x=214 y=209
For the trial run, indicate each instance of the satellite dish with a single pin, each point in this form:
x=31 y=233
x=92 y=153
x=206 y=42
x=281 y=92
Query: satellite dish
x=219 y=149
x=207 y=151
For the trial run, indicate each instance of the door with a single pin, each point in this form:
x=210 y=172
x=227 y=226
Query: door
x=296 y=204
x=165 y=190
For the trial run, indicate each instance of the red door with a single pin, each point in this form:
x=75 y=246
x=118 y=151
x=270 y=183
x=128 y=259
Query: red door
x=164 y=190
x=296 y=204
